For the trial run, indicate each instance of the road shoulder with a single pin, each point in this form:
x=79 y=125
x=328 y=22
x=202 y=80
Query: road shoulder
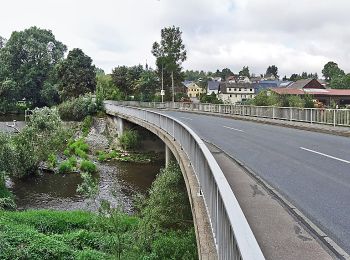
x=280 y=234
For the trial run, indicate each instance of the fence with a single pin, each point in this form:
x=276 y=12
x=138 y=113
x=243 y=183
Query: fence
x=233 y=236
x=335 y=117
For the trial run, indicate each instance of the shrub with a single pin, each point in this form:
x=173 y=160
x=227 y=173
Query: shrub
x=78 y=108
x=78 y=145
x=86 y=125
x=65 y=167
x=73 y=161
x=130 y=139
x=102 y=156
x=52 y=160
x=88 y=166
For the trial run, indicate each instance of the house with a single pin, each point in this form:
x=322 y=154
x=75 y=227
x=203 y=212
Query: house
x=193 y=90
x=232 y=79
x=213 y=87
x=317 y=90
x=236 y=92
x=243 y=79
x=306 y=84
x=267 y=84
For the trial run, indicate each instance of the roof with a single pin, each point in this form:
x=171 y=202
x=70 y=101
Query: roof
x=187 y=82
x=300 y=84
x=324 y=92
x=225 y=85
x=213 y=85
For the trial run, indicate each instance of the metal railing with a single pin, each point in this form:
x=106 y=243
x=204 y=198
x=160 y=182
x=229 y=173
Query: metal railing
x=233 y=236
x=335 y=117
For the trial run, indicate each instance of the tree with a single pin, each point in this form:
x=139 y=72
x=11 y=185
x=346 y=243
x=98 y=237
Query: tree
x=331 y=70
x=106 y=89
x=76 y=75
x=170 y=53
x=272 y=70
x=27 y=59
x=244 y=72
x=342 y=82
x=294 y=77
x=2 y=42
x=125 y=78
x=226 y=72
x=146 y=85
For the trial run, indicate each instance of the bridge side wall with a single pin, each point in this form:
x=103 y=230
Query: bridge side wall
x=205 y=241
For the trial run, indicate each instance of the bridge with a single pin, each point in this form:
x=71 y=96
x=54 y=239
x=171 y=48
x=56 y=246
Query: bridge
x=308 y=172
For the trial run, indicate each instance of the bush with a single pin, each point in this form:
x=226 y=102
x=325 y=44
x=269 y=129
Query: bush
x=130 y=139
x=52 y=160
x=65 y=167
x=73 y=161
x=86 y=125
x=78 y=148
x=88 y=166
x=77 y=109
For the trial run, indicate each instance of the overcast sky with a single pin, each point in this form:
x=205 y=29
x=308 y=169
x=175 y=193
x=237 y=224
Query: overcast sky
x=295 y=35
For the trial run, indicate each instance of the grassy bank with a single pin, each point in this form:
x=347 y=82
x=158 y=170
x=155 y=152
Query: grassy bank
x=162 y=229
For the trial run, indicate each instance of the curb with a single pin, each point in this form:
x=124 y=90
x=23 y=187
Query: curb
x=316 y=231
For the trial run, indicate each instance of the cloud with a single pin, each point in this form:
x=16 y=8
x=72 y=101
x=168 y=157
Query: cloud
x=296 y=36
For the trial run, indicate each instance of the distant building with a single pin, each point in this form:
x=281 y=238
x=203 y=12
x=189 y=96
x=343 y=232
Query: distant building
x=213 y=87
x=236 y=92
x=306 y=83
x=317 y=90
x=193 y=90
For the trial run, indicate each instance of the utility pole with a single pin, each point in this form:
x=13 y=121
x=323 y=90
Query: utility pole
x=162 y=92
x=172 y=85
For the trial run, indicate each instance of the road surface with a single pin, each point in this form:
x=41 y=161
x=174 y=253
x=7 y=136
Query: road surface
x=311 y=170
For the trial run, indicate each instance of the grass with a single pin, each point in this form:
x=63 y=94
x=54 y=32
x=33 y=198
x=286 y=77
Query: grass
x=49 y=234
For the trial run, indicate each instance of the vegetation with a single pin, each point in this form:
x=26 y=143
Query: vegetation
x=212 y=98
x=76 y=75
x=27 y=61
x=44 y=135
x=129 y=140
x=86 y=125
x=110 y=234
x=170 y=53
x=76 y=109
x=269 y=98
x=88 y=166
x=125 y=156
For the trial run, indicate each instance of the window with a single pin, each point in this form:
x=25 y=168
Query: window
x=251 y=90
x=240 y=89
x=236 y=95
x=230 y=95
x=234 y=89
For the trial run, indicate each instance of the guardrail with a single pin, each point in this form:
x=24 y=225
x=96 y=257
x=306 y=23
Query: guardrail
x=233 y=236
x=335 y=117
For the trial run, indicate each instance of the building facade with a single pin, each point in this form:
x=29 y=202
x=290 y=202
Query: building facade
x=236 y=92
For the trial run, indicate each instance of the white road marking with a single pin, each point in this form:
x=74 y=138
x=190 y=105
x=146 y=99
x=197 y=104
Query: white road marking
x=186 y=118
x=326 y=155
x=233 y=128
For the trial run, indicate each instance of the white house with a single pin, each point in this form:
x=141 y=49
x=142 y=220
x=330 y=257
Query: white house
x=236 y=92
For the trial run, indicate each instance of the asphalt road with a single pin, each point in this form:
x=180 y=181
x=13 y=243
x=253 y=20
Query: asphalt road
x=311 y=170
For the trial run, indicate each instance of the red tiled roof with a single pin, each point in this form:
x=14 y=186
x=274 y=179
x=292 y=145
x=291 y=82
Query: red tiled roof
x=325 y=92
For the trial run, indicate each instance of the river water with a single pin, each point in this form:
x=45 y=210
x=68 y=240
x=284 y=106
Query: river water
x=119 y=182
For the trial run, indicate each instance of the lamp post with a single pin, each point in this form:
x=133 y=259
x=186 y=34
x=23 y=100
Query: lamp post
x=162 y=92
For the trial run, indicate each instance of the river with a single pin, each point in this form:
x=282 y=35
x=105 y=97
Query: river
x=119 y=182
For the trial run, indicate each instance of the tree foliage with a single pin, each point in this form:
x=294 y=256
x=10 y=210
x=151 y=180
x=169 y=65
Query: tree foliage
x=125 y=78
x=170 y=53
x=331 y=70
x=272 y=70
x=76 y=75
x=106 y=89
x=244 y=72
x=341 y=82
x=27 y=60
